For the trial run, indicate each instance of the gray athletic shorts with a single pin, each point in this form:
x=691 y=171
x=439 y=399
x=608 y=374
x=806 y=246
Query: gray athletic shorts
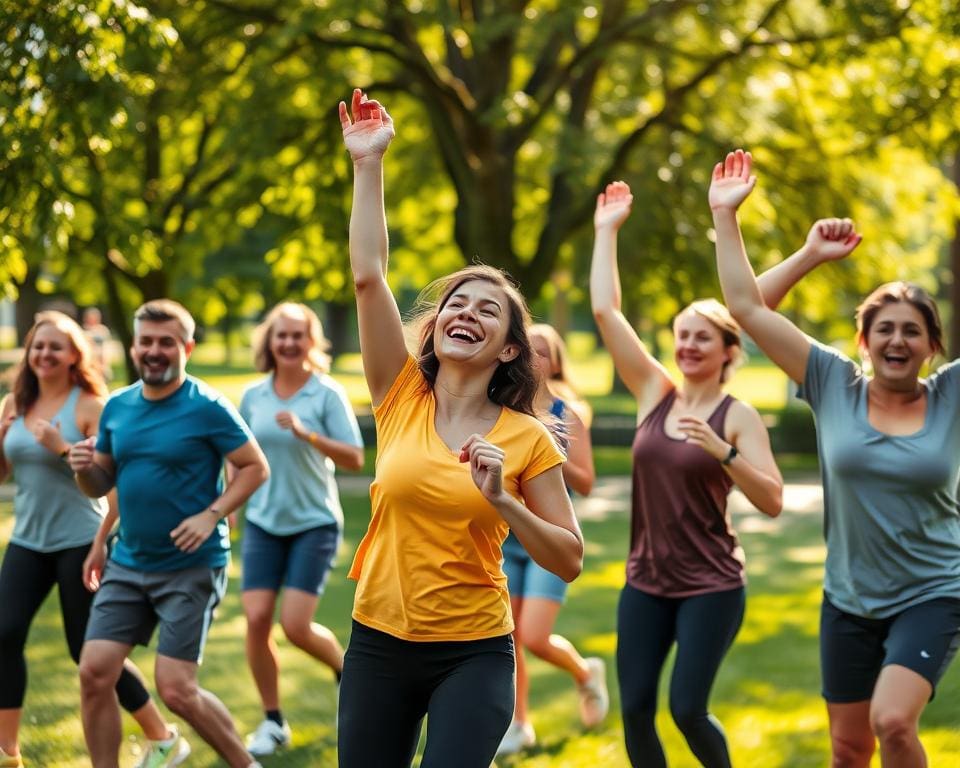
x=130 y=604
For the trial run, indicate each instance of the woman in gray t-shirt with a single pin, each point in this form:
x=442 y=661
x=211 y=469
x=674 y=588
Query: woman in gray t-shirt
x=889 y=448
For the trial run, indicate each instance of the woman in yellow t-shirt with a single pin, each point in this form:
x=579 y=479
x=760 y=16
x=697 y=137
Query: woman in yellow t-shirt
x=461 y=459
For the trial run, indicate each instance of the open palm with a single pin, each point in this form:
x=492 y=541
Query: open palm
x=732 y=182
x=613 y=205
x=370 y=131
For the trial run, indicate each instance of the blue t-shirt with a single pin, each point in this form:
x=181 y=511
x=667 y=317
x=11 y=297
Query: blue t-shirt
x=892 y=520
x=301 y=492
x=169 y=455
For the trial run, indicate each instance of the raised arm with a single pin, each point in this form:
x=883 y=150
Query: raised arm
x=367 y=132
x=779 y=339
x=828 y=240
x=643 y=375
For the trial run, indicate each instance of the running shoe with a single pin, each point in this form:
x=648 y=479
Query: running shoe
x=268 y=738
x=518 y=737
x=594 y=699
x=166 y=753
x=10 y=761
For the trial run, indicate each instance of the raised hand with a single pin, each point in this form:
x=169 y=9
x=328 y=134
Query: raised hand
x=486 y=466
x=290 y=420
x=732 y=182
x=833 y=239
x=370 y=131
x=48 y=435
x=699 y=432
x=613 y=206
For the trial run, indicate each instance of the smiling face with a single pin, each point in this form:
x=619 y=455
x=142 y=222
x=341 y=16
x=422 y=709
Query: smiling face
x=898 y=344
x=699 y=350
x=51 y=353
x=473 y=325
x=159 y=352
x=290 y=342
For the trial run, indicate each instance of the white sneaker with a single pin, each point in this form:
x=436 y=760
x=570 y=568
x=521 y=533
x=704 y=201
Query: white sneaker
x=594 y=699
x=268 y=738
x=518 y=737
x=166 y=753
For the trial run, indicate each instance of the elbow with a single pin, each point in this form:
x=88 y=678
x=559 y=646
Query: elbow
x=582 y=485
x=774 y=505
x=574 y=563
x=262 y=473
x=602 y=313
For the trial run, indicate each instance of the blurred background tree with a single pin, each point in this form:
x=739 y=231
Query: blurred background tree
x=191 y=149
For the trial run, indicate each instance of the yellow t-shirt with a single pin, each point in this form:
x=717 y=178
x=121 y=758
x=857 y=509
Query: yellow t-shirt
x=429 y=566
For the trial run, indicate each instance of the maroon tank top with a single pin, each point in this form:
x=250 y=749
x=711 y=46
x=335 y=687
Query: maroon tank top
x=682 y=542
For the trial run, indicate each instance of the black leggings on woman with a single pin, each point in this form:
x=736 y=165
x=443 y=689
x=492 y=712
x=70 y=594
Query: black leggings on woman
x=26 y=578
x=703 y=628
x=465 y=688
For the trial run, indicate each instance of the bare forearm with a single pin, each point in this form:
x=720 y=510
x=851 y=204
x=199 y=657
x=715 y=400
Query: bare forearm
x=737 y=280
x=107 y=525
x=763 y=490
x=94 y=481
x=777 y=281
x=368 y=223
x=245 y=481
x=344 y=455
x=604 y=275
x=553 y=547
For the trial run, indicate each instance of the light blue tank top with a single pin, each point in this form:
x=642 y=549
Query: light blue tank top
x=50 y=512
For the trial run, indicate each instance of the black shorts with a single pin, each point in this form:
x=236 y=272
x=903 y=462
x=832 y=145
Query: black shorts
x=853 y=650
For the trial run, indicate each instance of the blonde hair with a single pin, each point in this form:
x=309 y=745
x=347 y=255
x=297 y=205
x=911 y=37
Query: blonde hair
x=84 y=373
x=558 y=382
x=719 y=316
x=317 y=355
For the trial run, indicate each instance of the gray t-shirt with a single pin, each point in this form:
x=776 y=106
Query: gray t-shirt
x=892 y=520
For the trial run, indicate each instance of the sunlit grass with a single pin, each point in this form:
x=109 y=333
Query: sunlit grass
x=766 y=695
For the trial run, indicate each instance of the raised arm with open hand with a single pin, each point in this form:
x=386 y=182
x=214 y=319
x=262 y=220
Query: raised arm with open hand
x=828 y=240
x=779 y=339
x=643 y=375
x=367 y=132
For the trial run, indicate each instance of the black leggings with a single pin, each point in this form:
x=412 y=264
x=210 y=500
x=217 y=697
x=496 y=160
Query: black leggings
x=26 y=578
x=465 y=688
x=703 y=628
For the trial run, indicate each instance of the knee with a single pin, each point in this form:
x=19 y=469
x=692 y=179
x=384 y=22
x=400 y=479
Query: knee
x=178 y=694
x=12 y=639
x=687 y=717
x=894 y=727
x=96 y=678
x=297 y=632
x=849 y=751
x=259 y=624
x=537 y=643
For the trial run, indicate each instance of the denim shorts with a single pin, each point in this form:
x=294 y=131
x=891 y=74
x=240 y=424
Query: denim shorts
x=527 y=579
x=298 y=561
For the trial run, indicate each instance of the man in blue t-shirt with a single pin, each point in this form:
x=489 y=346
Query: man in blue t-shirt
x=162 y=443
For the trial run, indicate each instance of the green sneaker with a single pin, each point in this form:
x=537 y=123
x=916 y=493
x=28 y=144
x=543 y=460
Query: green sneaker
x=167 y=753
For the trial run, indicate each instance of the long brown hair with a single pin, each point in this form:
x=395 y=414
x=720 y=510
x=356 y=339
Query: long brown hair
x=84 y=373
x=514 y=383
x=317 y=356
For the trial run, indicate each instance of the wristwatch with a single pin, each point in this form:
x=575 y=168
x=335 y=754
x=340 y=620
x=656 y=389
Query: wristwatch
x=730 y=456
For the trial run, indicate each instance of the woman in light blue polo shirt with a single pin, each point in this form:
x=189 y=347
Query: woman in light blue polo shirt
x=303 y=421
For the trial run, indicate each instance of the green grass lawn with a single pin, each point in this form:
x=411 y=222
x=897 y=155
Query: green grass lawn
x=766 y=694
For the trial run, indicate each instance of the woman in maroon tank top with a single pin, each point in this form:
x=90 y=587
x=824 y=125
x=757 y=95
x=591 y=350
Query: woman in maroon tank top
x=685 y=577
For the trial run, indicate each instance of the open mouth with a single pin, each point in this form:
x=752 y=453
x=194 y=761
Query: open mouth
x=896 y=359
x=460 y=333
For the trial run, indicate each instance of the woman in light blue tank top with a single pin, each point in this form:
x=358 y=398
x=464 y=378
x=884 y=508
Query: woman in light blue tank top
x=889 y=448
x=59 y=533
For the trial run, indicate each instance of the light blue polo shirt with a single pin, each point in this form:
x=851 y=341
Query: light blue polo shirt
x=892 y=519
x=169 y=455
x=302 y=491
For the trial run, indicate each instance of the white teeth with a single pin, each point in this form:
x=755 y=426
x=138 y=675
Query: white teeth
x=460 y=332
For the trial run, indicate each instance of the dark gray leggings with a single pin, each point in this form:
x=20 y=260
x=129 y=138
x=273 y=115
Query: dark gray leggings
x=26 y=578
x=703 y=628
x=464 y=688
